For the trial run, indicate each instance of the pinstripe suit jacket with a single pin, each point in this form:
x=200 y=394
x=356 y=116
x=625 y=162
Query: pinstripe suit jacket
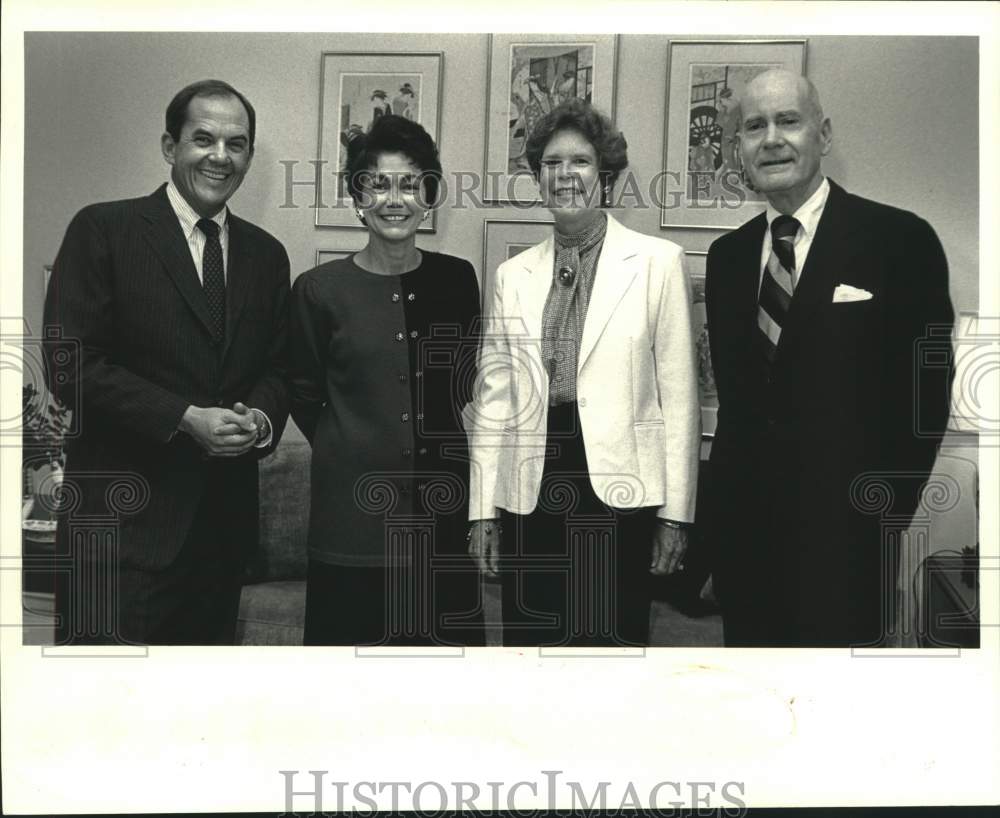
x=135 y=349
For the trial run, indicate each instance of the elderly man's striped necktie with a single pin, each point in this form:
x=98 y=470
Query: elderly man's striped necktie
x=778 y=283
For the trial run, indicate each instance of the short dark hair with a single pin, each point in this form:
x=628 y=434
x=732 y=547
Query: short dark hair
x=577 y=115
x=177 y=110
x=394 y=134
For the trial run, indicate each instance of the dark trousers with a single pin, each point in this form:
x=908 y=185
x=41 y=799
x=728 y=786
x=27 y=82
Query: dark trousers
x=575 y=572
x=426 y=604
x=193 y=601
x=778 y=591
x=748 y=588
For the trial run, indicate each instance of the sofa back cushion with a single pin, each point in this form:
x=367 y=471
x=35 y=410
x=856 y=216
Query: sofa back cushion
x=284 y=510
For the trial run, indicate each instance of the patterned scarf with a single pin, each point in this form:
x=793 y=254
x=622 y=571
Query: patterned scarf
x=573 y=275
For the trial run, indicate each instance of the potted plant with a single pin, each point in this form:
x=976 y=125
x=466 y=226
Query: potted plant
x=44 y=422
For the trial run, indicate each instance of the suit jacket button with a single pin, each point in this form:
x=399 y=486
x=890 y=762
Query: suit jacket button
x=582 y=402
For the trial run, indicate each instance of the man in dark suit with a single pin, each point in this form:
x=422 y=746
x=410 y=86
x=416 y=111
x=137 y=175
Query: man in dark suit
x=172 y=320
x=824 y=315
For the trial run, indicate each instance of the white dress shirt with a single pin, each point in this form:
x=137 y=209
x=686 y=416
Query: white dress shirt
x=195 y=238
x=808 y=216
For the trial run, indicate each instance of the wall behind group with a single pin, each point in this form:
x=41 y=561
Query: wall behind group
x=904 y=112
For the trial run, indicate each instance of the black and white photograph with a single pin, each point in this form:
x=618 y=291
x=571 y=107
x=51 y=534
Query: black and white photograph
x=356 y=89
x=705 y=182
x=528 y=77
x=708 y=394
x=599 y=415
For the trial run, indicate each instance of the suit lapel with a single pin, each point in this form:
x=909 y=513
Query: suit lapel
x=744 y=289
x=533 y=288
x=164 y=235
x=616 y=269
x=239 y=277
x=831 y=251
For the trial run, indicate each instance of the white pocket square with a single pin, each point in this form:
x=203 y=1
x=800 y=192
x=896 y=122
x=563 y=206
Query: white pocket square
x=845 y=293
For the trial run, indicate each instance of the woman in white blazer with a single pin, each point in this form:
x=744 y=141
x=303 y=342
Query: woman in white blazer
x=586 y=426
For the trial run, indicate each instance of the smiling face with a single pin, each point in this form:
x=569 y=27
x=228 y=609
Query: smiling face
x=392 y=199
x=783 y=138
x=569 y=177
x=213 y=153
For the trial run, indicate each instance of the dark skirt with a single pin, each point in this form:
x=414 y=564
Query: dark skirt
x=575 y=572
x=433 y=601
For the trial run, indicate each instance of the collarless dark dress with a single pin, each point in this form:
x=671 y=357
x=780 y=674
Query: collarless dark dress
x=381 y=367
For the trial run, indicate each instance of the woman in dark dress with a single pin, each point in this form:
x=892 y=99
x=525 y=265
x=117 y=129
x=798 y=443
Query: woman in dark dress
x=383 y=361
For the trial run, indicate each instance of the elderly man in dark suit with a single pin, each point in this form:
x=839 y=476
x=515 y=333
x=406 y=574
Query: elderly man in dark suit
x=821 y=314
x=172 y=319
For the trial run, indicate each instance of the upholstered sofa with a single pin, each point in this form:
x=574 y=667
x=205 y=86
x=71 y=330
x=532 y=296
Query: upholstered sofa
x=272 y=607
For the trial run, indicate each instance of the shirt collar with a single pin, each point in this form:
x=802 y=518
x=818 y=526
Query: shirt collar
x=186 y=214
x=809 y=213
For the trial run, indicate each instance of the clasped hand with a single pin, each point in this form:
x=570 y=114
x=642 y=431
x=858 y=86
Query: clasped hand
x=669 y=547
x=484 y=546
x=219 y=431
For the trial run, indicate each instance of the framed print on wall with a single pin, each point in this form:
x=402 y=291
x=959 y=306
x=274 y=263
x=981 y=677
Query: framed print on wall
x=355 y=89
x=528 y=76
x=502 y=240
x=708 y=397
x=703 y=184
x=323 y=256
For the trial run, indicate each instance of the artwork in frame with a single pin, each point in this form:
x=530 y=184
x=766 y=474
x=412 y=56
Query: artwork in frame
x=356 y=88
x=703 y=183
x=502 y=240
x=323 y=256
x=528 y=76
x=708 y=397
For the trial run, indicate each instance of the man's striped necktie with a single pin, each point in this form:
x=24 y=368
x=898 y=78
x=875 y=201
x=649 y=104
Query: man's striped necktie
x=778 y=283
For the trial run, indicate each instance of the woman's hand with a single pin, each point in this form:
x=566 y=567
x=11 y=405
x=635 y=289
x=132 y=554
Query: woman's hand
x=484 y=546
x=669 y=546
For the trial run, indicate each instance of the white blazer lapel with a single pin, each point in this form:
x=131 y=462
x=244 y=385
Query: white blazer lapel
x=532 y=285
x=612 y=279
